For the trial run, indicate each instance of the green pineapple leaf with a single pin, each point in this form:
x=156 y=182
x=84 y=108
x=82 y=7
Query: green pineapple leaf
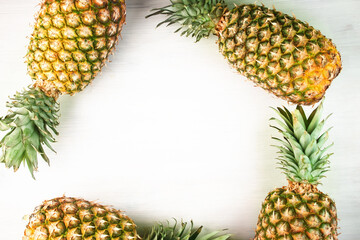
x=303 y=154
x=31 y=123
x=182 y=231
x=196 y=17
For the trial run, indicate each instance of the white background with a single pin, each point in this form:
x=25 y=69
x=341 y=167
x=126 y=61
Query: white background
x=170 y=130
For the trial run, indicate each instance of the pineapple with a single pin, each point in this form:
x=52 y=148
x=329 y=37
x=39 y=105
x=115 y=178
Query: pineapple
x=71 y=42
x=277 y=52
x=66 y=218
x=300 y=210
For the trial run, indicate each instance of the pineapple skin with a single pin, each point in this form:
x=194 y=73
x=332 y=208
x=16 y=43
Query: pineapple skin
x=278 y=52
x=66 y=218
x=297 y=211
x=71 y=42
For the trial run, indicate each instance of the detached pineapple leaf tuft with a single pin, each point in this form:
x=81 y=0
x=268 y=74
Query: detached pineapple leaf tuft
x=31 y=124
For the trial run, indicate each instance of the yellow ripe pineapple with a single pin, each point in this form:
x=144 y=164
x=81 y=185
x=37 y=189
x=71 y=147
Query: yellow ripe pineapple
x=71 y=41
x=276 y=51
x=67 y=218
x=299 y=210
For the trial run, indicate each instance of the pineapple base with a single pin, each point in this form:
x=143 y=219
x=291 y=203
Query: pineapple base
x=48 y=88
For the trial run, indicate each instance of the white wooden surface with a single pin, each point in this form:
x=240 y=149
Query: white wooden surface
x=169 y=130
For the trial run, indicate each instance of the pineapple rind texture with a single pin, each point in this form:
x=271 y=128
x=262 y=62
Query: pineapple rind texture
x=31 y=123
x=297 y=212
x=278 y=52
x=67 y=218
x=72 y=40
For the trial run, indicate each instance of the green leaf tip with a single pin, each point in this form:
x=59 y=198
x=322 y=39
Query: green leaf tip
x=30 y=124
x=197 y=18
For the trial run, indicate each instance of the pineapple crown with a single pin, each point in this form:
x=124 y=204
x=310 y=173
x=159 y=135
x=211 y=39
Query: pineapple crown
x=30 y=123
x=197 y=18
x=184 y=231
x=303 y=156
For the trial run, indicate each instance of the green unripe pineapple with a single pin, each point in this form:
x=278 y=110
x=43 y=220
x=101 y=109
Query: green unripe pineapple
x=278 y=52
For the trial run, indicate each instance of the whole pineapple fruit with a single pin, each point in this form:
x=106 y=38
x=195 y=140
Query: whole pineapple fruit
x=300 y=210
x=71 y=41
x=277 y=52
x=67 y=218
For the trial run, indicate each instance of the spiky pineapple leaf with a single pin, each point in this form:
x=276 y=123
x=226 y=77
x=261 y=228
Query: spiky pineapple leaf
x=31 y=123
x=182 y=231
x=302 y=150
x=196 y=17
x=315 y=118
